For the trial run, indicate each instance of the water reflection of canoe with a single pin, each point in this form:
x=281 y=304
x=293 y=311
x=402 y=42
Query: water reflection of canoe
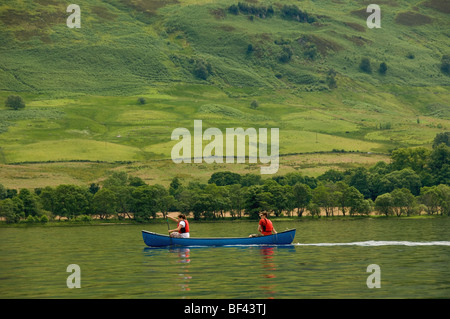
x=157 y=240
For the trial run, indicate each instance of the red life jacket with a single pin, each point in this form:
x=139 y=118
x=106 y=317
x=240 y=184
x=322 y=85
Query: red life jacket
x=186 y=228
x=266 y=226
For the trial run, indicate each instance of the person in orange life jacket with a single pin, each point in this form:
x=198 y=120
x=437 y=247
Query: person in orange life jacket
x=265 y=226
x=182 y=230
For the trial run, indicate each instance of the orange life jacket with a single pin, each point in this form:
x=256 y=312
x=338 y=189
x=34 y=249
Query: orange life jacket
x=186 y=228
x=266 y=226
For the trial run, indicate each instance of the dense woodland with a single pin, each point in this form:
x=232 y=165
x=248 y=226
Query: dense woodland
x=417 y=180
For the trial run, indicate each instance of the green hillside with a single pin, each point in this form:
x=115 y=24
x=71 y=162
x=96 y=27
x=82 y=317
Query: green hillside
x=257 y=64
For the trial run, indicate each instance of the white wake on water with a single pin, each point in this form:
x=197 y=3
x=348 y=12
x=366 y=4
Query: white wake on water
x=381 y=243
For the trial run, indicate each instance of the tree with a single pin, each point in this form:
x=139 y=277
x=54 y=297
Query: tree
x=254 y=105
x=302 y=197
x=361 y=181
x=94 y=188
x=325 y=197
x=3 y=192
x=292 y=12
x=290 y=204
x=365 y=65
x=256 y=201
x=236 y=197
x=436 y=198
x=429 y=196
x=439 y=164
x=30 y=202
x=250 y=48
x=15 y=102
x=445 y=64
x=380 y=168
x=441 y=138
x=135 y=181
x=71 y=201
x=202 y=69
x=224 y=178
x=48 y=199
x=414 y=158
x=286 y=54
x=314 y=209
x=175 y=187
x=331 y=80
x=18 y=207
x=383 y=68
x=144 y=202
x=165 y=203
x=331 y=175
x=402 y=201
x=200 y=204
x=384 y=204
x=366 y=207
x=354 y=200
x=250 y=179
x=233 y=9
x=214 y=200
x=124 y=200
x=8 y=211
x=310 y=52
x=104 y=203
x=185 y=201
x=116 y=179
x=278 y=200
x=443 y=192
x=405 y=178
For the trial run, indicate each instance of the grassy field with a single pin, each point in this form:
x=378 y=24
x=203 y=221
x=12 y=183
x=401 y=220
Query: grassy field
x=35 y=175
x=81 y=86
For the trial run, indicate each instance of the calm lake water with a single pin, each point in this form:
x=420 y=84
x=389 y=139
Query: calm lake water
x=329 y=259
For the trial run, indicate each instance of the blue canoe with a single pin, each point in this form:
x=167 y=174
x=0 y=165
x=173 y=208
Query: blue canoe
x=157 y=240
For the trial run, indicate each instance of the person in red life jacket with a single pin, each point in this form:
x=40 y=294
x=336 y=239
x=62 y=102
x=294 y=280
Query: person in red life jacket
x=265 y=226
x=182 y=230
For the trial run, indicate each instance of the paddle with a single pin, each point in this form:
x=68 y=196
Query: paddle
x=168 y=228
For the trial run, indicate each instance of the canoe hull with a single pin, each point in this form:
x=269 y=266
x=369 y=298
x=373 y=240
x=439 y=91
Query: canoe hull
x=157 y=240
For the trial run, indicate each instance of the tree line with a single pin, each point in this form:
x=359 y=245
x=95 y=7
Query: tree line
x=417 y=180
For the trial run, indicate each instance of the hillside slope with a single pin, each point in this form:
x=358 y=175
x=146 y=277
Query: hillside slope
x=210 y=60
x=126 y=45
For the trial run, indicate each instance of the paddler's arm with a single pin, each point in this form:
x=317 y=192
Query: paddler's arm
x=174 y=219
x=177 y=229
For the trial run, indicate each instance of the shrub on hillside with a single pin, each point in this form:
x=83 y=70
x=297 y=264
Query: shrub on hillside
x=445 y=64
x=254 y=105
x=383 y=68
x=286 y=54
x=202 y=69
x=331 y=80
x=365 y=65
x=292 y=12
x=15 y=102
x=310 y=51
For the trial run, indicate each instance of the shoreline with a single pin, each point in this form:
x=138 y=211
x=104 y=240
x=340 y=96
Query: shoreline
x=115 y=221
